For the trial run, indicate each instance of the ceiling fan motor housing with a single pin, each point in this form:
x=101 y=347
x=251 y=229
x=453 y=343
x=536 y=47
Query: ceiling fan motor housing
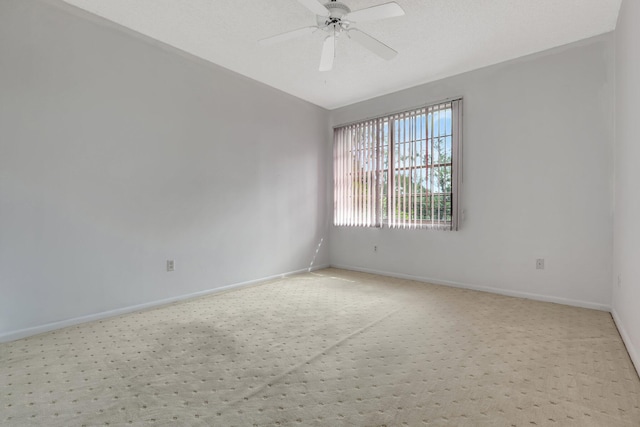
x=334 y=21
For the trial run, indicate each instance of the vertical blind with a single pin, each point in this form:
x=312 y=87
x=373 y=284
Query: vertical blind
x=400 y=170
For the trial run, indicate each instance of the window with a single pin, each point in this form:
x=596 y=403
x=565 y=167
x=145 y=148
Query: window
x=401 y=170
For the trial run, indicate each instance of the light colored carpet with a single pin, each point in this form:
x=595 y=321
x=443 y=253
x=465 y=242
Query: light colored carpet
x=328 y=348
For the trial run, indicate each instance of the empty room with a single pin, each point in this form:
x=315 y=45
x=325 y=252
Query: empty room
x=322 y=213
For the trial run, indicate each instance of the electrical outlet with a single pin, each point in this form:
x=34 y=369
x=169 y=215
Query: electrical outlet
x=375 y=249
x=171 y=265
x=540 y=264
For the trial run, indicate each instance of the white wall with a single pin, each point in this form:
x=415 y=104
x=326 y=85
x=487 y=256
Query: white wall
x=626 y=293
x=117 y=153
x=538 y=135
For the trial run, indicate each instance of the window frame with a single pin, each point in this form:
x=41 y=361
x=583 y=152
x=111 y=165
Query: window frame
x=357 y=208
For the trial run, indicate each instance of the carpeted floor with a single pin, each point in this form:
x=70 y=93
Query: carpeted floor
x=329 y=348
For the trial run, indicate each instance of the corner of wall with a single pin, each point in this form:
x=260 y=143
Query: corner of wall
x=633 y=353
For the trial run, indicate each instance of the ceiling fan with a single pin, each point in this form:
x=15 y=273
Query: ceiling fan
x=335 y=19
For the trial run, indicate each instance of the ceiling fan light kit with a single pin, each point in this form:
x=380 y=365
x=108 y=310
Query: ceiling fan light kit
x=336 y=18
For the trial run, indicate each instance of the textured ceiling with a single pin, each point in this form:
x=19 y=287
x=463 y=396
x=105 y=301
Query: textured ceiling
x=435 y=39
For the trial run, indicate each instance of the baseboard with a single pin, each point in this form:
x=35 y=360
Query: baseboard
x=506 y=292
x=35 y=330
x=633 y=352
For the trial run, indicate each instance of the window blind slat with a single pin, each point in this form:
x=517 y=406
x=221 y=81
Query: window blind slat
x=355 y=184
x=431 y=177
x=337 y=178
x=437 y=156
x=370 y=148
x=403 y=165
x=414 y=174
x=376 y=194
x=390 y=175
x=350 y=189
x=456 y=170
x=399 y=168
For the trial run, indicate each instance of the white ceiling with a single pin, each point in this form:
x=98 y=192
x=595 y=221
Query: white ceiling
x=435 y=39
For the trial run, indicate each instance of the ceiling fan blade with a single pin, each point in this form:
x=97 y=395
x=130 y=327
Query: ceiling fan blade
x=328 y=52
x=375 y=46
x=287 y=36
x=387 y=10
x=315 y=7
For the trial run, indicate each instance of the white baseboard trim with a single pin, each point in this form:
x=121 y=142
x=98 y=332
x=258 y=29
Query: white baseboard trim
x=506 y=292
x=633 y=352
x=35 y=330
